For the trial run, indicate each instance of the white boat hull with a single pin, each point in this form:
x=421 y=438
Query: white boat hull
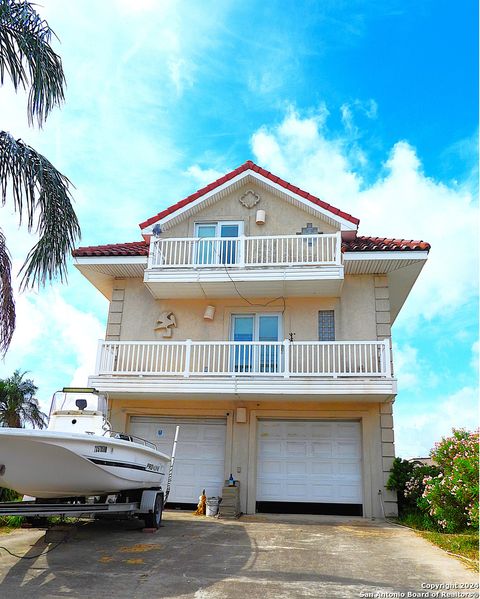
x=51 y=464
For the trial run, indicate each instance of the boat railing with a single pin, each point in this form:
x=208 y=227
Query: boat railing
x=132 y=438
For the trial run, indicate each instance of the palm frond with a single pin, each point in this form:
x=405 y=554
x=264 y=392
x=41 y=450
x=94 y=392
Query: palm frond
x=7 y=303
x=38 y=189
x=27 y=57
x=18 y=404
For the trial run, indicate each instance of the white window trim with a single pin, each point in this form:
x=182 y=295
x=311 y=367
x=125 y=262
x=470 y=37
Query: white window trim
x=218 y=224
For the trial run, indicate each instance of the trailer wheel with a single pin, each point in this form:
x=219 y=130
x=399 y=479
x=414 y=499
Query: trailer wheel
x=154 y=518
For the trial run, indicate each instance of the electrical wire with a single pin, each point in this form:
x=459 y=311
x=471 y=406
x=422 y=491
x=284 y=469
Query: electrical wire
x=33 y=556
x=250 y=303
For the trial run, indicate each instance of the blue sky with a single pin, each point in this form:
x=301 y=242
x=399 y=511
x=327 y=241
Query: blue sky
x=371 y=106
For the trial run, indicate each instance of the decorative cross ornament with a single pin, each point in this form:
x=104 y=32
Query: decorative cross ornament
x=308 y=230
x=166 y=321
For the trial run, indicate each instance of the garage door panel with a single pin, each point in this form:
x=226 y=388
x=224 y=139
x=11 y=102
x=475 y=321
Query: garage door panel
x=296 y=490
x=322 y=448
x=322 y=467
x=321 y=430
x=295 y=448
x=271 y=467
x=317 y=462
x=296 y=468
x=269 y=489
x=271 y=448
x=272 y=432
x=295 y=430
x=349 y=493
x=199 y=462
x=350 y=430
x=322 y=492
x=346 y=448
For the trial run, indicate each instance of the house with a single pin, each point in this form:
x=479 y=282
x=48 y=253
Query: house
x=252 y=314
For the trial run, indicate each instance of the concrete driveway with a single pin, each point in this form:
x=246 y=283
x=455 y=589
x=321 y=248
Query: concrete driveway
x=256 y=556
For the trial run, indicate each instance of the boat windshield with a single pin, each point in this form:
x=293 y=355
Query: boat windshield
x=77 y=400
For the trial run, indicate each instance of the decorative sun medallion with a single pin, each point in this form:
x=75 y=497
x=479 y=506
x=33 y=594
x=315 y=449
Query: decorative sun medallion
x=249 y=199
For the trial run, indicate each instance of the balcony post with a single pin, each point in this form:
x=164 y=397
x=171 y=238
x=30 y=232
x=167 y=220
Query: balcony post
x=286 y=358
x=387 y=358
x=188 y=352
x=151 y=251
x=99 y=357
x=338 y=248
x=242 y=243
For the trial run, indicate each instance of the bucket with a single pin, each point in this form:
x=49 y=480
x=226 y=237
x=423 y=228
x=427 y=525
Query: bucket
x=212 y=506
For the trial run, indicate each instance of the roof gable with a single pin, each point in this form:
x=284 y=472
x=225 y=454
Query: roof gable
x=239 y=175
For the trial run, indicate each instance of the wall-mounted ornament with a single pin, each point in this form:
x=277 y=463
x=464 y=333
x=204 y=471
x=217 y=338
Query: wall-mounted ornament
x=249 y=199
x=166 y=322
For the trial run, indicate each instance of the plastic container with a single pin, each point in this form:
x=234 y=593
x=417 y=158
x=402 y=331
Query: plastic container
x=212 y=506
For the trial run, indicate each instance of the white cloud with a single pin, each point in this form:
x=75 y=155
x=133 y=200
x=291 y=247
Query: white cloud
x=418 y=427
x=403 y=202
x=202 y=176
x=57 y=340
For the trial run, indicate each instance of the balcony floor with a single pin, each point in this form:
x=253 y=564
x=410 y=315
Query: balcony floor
x=326 y=281
x=258 y=388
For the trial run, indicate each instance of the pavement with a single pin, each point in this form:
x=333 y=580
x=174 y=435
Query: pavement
x=261 y=556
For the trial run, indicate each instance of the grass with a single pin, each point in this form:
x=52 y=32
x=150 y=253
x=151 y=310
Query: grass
x=10 y=523
x=463 y=544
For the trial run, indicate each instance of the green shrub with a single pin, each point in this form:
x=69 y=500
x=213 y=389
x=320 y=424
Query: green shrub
x=8 y=495
x=406 y=478
x=451 y=496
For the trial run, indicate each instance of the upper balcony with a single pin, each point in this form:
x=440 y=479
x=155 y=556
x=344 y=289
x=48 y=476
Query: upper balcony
x=217 y=369
x=261 y=266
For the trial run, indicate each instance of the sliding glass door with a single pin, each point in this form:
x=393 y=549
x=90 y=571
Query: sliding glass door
x=263 y=356
x=218 y=243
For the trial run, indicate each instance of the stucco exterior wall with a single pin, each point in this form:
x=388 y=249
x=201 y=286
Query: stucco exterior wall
x=354 y=313
x=282 y=217
x=241 y=444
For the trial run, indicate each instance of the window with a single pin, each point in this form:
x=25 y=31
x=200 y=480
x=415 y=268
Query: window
x=326 y=325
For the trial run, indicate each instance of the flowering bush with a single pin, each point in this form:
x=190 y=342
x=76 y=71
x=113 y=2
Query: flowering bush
x=406 y=477
x=451 y=496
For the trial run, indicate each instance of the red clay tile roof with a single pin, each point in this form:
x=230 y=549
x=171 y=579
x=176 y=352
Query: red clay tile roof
x=134 y=248
x=359 y=244
x=382 y=244
x=258 y=169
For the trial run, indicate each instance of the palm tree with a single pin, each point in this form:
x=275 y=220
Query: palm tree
x=39 y=192
x=18 y=404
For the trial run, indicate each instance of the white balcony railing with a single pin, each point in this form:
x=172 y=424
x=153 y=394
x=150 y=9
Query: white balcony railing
x=242 y=252
x=286 y=359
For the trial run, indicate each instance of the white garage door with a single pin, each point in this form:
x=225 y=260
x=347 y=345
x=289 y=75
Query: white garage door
x=314 y=461
x=199 y=462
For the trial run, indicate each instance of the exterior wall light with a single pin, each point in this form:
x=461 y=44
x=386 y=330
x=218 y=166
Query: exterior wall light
x=260 y=217
x=209 y=313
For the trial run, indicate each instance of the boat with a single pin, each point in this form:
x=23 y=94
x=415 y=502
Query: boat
x=78 y=454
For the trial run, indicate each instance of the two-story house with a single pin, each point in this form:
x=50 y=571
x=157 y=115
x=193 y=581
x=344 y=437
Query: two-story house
x=253 y=315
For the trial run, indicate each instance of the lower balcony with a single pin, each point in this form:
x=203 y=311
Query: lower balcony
x=214 y=369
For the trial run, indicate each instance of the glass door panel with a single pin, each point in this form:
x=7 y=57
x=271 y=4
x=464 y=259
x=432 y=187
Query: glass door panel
x=268 y=330
x=205 y=252
x=228 y=253
x=243 y=330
